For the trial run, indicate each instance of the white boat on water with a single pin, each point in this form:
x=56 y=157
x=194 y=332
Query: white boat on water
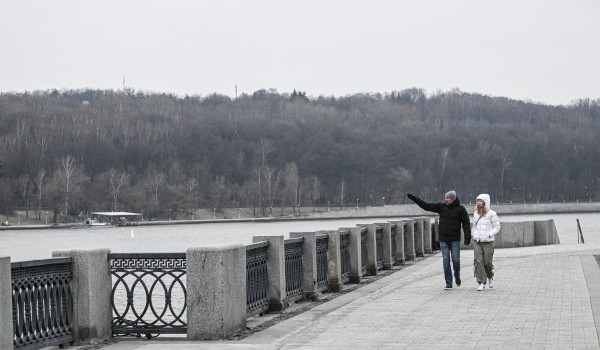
x=117 y=218
x=93 y=222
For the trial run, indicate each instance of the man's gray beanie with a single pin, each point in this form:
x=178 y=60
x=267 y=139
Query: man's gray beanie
x=451 y=195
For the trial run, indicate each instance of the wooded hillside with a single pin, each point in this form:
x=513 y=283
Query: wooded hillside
x=84 y=150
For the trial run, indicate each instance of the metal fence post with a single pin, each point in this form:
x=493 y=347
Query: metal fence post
x=6 y=324
x=91 y=288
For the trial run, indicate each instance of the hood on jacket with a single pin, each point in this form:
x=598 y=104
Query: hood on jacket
x=486 y=199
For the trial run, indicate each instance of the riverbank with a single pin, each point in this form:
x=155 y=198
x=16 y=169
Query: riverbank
x=20 y=221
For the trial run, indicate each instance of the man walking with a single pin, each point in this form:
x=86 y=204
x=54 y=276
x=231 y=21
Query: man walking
x=452 y=216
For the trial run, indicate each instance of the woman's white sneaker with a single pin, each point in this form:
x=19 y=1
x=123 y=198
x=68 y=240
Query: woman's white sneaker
x=481 y=287
x=491 y=283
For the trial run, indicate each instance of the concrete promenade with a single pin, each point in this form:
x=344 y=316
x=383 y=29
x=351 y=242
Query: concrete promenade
x=545 y=297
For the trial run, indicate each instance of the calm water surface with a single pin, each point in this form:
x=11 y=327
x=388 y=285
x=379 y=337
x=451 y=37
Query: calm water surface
x=23 y=245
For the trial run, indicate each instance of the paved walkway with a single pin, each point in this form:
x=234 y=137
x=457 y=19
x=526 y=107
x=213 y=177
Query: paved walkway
x=545 y=297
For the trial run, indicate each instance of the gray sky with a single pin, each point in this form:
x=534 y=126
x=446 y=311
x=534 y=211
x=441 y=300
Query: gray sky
x=540 y=50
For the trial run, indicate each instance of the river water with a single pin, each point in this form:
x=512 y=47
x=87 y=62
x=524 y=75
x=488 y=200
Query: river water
x=23 y=245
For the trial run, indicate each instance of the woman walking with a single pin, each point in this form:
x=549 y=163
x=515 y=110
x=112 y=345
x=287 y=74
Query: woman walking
x=486 y=226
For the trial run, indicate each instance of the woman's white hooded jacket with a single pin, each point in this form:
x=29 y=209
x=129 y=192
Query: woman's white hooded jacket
x=486 y=227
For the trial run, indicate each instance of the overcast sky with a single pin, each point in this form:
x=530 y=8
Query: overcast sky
x=540 y=50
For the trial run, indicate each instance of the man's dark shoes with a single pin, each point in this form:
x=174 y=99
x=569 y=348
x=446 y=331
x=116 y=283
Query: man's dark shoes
x=448 y=286
x=457 y=279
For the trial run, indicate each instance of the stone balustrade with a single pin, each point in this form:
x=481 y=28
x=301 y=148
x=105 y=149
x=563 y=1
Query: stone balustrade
x=216 y=276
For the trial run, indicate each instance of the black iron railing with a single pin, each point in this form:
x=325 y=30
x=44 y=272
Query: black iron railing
x=379 y=246
x=363 y=251
x=293 y=269
x=148 y=293
x=345 y=255
x=256 y=278
x=42 y=303
x=393 y=234
x=322 y=245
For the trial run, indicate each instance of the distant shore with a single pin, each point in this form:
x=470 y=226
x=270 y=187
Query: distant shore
x=400 y=210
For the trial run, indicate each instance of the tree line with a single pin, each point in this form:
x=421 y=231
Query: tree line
x=75 y=151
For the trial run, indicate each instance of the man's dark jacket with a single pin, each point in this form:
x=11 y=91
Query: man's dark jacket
x=451 y=218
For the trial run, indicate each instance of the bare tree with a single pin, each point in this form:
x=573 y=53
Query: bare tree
x=265 y=147
x=39 y=182
x=506 y=162
x=272 y=177
x=315 y=190
x=444 y=157
x=154 y=184
x=190 y=186
x=291 y=180
x=116 y=181
x=24 y=190
x=67 y=176
x=219 y=189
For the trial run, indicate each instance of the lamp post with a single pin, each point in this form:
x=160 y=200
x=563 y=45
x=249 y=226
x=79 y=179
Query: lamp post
x=356 y=203
x=383 y=200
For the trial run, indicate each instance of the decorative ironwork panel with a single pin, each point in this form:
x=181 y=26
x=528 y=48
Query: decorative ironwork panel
x=256 y=278
x=293 y=269
x=345 y=255
x=322 y=245
x=42 y=303
x=149 y=293
x=379 y=246
x=363 y=251
x=394 y=246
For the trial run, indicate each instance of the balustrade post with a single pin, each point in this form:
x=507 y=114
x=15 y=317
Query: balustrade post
x=425 y=227
x=216 y=287
x=309 y=263
x=6 y=314
x=409 y=234
x=400 y=256
x=334 y=261
x=371 y=249
x=387 y=245
x=276 y=292
x=355 y=256
x=418 y=232
x=435 y=234
x=91 y=287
